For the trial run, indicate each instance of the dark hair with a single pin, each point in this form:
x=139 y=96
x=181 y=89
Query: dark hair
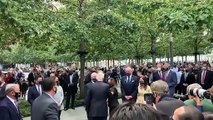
x=37 y=75
x=130 y=111
x=208 y=115
x=48 y=83
x=191 y=113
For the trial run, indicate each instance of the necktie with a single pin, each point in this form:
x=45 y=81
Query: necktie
x=203 y=77
x=166 y=75
x=39 y=89
x=160 y=74
x=16 y=105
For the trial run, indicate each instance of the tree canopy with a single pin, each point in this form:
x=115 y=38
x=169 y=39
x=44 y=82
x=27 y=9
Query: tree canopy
x=34 y=31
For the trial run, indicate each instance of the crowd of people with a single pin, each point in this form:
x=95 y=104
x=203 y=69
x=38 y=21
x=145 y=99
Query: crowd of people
x=182 y=91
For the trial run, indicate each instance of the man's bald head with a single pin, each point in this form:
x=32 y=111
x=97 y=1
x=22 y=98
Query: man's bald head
x=187 y=113
x=93 y=76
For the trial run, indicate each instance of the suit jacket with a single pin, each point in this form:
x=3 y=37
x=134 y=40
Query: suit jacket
x=96 y=99
x=129 y=88
x=44 y=108
x=190 y=79
x=30 y=78
x=208 y=81
x=167 y=105
x=171 y=80
x=71 y=88
x=87 y=78
x=156 y=76
x=32 y=94
x=2 y=91
x=8 y=110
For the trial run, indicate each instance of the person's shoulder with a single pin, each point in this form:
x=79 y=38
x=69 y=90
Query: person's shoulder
x=3 y=102
x=189 y=102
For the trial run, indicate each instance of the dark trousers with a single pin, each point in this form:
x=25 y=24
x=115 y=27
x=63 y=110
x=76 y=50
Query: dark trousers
x=59 y=114
x=68 y=96
x=97 y=118
x=178 y=89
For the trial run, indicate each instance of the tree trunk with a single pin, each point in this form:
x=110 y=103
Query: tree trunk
x=153 y=50
x=108 y=63
x=113 y=62
x=182 y=58
x=82 y=49
x=171 y=48
x=195 y=49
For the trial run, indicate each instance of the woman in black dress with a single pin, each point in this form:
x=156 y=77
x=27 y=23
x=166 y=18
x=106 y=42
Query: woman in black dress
x=113 y=98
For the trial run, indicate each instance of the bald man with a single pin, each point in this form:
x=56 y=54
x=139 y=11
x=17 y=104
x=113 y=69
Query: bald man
x=187 y=113
x=9 y=109
x=96 y=99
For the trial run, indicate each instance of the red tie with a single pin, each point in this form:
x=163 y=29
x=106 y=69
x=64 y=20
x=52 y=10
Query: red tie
x=166 y=75
x=160 y=74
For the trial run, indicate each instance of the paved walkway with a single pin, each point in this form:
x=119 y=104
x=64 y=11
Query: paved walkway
x=77 y=114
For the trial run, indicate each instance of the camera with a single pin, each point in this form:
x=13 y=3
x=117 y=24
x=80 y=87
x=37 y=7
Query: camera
x=149 y=98
x=201 y=93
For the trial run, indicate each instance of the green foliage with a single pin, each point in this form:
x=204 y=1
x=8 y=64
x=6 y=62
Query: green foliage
x=30 y=32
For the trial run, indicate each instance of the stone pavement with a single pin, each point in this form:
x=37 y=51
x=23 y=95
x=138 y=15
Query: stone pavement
x=77 y=114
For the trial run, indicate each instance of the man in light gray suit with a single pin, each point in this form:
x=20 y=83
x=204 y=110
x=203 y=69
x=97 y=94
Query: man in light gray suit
x=45 y=107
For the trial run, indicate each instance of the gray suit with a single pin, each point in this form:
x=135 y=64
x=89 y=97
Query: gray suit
x=171 y=80
x=44 y=108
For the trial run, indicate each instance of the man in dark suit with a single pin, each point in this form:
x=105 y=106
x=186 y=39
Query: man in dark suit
x=9 y=109
x=88 y=76
x=96 y=99
x=165 y=104
x=35 y=90
x=157 y=75
x=129 y=85
x=71 y=82
x=2 y=88
x=170 y=77
x=187 y=78
x=45 y=107
x=205 y=78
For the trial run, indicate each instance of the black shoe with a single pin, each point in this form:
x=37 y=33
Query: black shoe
x=73 y=108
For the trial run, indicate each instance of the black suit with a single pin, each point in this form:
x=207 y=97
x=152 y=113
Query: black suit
x=71 y=89
x=30 y=79
x=189 y=79
x=2 y=91
x=32 y=94
x=157 y=75
x=208 y=81
x=96 y=100
x=167 y=105
x=129 y=87
x=8 y=111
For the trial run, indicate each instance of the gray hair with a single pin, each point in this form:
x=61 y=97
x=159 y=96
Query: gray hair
x=10 y=87
x=160 y=87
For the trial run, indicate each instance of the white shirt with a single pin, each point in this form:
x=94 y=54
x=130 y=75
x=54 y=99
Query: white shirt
x=71 y=76
x=38 y=87
x=179 y=74
x=13 y=101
